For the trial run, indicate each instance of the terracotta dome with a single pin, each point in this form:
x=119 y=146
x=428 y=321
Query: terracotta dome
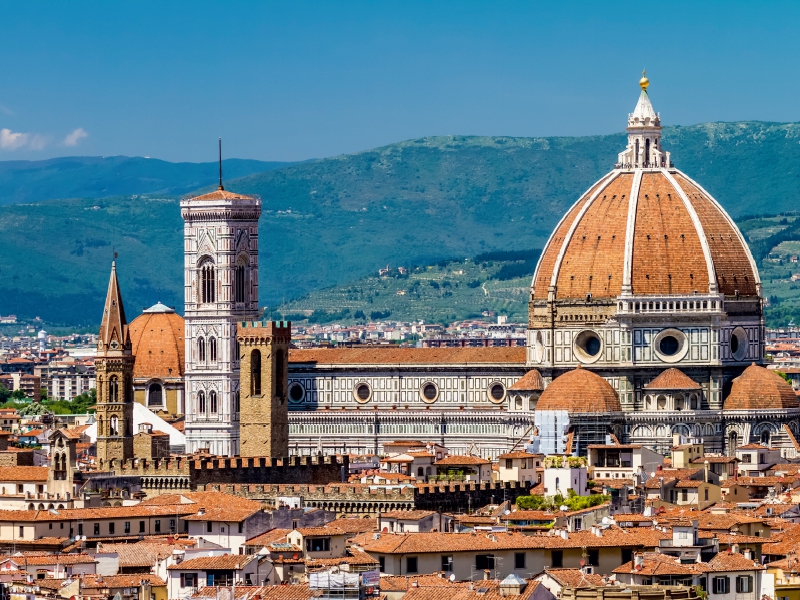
x=157 y=341
x=579 y=391
x=760 y=388
x=675 y=239
x=530 y=382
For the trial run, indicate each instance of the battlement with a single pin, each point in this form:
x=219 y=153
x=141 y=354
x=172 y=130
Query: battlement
x=254 y=332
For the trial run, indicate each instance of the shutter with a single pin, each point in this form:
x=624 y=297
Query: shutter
x=749 y=583
x=183 y=579
x=727 y=585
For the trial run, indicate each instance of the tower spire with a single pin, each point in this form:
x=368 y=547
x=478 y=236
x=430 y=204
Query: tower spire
x=220 y=165
x=114 y=335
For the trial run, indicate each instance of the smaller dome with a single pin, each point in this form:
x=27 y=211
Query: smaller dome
x=760 y=388
x=530 y=382
x=157 y=343
x=579 y=391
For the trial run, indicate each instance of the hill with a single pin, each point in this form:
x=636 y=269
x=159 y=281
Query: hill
x=100 y=177
x=332 y=221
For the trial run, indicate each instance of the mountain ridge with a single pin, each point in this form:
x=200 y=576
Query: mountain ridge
x=330 y=221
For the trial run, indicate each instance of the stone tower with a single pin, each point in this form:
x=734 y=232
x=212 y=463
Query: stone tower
x=63 y=463
x=114 y=366
x=264 y=375
x=220 y=289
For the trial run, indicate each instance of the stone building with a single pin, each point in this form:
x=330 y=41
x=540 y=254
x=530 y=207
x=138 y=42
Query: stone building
x=221 y=289
x=114 y=371
x=648 y=283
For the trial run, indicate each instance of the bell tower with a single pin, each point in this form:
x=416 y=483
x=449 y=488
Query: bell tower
x=264 y=377
x=114 y=367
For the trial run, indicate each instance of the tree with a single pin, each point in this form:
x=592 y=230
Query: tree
x=5 y=393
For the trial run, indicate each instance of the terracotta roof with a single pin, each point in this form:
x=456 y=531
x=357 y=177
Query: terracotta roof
x=157 y=343
x=760 y=388
x=324 y=530
x=264 y=539
x=409 y=356
x=689 y=483
x=33 y=559
x=579 y=391
x=23 y=474
x=354 y=524
x=402 y=583
x=752 y=447
x=354 y=557
x=455 y=459
x=141 y=554
x=669 y=475
x=408 y=514
x=224 y=562
x=574 y=577
x=732 y=561
x=519 y=454
x=92 y=581
x=222 y=195
x=268 y=592
x=530 y=382
x=109 y=512
x=654 y=563
x=205 y=500
x=481 y=590
x=673 y=379
x=666 y=252
x=229 y=515
x=715 y=459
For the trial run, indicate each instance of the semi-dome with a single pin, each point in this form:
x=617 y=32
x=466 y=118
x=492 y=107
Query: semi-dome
x=645 y=229
x=157 y=342
x=579 y=391
x=760 y=388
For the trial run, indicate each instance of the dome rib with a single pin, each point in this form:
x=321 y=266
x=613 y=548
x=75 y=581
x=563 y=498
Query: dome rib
x=732 y=225
x=548 y=257
x=630 y=230
x=701 y=234
x=575 y=223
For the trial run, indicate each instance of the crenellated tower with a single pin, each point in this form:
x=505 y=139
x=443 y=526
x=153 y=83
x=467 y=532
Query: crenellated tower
x=220 y=289
x=264 y=350
x=114 y=367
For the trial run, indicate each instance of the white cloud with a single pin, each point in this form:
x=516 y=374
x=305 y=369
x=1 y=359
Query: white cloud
x=11 y=140
x=37 y=141
x=73 y=138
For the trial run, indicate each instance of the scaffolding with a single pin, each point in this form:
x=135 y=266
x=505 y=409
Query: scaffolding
x=336 y=585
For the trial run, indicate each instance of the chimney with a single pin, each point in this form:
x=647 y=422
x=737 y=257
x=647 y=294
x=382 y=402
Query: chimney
x=735 y=548
x=747 y=554
x=485 y=574
x=705 y=471
x=638 y=559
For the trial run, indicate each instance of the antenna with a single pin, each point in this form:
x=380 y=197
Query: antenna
x=220 y=165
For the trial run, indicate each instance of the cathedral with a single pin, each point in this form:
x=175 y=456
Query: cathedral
x=645 y=320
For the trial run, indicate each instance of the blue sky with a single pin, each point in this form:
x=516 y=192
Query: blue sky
x=295 y=80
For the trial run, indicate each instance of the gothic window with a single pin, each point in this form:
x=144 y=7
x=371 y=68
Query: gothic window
x=113 y=426
x=156 y=396
x=201 y=349
x=647 y=150
x=113 y=389
x=201 y=402
x=239 y=277
x=765 y=438
x=212 y=397
x=212 y=349
x=208 y=282
x=255 y=373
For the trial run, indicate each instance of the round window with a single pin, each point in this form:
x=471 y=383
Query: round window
x=588 y=346
x=738 y=344
x=363 y=392
x=429 y=392
x=296 y=392
x=497 y=392
x=669 y=345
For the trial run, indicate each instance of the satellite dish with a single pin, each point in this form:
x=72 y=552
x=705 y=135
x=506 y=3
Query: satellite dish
x=563 y=508
x=652 y=473
x=508 y=512
x=452 y=577
x=607 y=521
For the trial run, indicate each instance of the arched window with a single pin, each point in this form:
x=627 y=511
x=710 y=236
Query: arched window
x=201 y=349
x=201 y=402
x=765 y=438
x=208 y=282
x=212 y=397
x=647 y=150
x=280 y=362
x=212 y=349
x=255 y=373
x=239 y=277
x=113 y=389
x=156 y=395
x=113 y=426
x=236 y=402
